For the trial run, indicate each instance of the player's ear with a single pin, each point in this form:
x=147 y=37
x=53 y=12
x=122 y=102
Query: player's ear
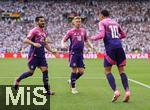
x=101 y=17
x=72 y=22
x=36 y=23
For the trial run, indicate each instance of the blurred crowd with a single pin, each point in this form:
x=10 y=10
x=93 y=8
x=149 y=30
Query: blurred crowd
x=134 y=18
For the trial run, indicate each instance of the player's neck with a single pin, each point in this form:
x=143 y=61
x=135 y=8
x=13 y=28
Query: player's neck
x=106 y=18
x=77 y=28
x=40 y=28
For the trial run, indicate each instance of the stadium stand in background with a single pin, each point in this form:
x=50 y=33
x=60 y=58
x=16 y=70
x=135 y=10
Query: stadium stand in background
x=17 y=17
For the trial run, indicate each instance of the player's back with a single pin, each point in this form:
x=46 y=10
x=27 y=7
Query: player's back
x=112 y=34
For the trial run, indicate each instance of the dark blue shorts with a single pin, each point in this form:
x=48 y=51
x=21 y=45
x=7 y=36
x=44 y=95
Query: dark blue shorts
x=76 y=60
x=115 y=57
x=37 y=62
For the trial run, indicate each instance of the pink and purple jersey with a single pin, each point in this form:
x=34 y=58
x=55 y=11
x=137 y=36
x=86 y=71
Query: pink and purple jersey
x=37 y=35
x=77 y=38
x=111 y=33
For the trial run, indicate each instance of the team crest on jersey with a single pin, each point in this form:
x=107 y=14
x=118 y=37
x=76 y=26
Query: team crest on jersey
x=32 y=67
x=75 y=34
x=74 y=64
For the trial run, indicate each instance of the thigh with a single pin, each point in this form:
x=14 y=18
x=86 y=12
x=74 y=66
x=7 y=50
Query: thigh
x=32 y=63
x=108 y=70
x=43 y=68
x=74 y=70
x=42 y=62
x=81 y=70
x=73 y=61
x=109 y=58
x=121 y=69
x=80 y=61
x=120 y=57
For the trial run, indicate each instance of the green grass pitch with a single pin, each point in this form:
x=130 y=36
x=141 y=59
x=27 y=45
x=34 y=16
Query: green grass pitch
x=94 y=92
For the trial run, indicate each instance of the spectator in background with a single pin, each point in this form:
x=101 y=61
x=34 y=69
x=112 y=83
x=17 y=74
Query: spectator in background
x=132 y=16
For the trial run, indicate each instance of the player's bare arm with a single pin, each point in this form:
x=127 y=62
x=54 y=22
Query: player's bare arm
x=51 y=50
x=100 y=35
x=89 y=44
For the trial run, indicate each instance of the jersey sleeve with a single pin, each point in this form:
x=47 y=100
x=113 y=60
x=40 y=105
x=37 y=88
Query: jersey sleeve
x=122 y=33
x=101 y=33
x=86 y=36
x=67 y=36
x=31 y=34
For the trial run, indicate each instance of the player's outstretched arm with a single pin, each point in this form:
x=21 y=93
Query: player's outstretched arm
x=49 y=49
x=97 y=37
x=122 y=33
x=28 y=41
x=89 y=44
x=101 y=33
x=54 y=52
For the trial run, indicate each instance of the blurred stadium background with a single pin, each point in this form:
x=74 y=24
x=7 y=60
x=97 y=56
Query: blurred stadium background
x=17 y=18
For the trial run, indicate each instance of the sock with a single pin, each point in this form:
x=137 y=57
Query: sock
x=111 y=81
x=24 y=75
x=124 y=80
x=45 y=80
x=78 y=75
x=73 y=79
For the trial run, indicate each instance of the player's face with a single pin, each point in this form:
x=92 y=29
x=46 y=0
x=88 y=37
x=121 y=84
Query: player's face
x=77 y=23
x=41 y=23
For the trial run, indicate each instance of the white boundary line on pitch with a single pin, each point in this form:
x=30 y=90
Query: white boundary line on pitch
x=139 y=83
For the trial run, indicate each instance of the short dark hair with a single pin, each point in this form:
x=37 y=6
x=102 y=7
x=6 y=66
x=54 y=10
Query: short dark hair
x=38 y=17
x=105 y=13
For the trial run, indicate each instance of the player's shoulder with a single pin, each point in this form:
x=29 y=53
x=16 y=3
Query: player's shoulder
x=82 y=29
x=34 y=30
x=70 y=31
x=103 y=22
x=112 y=21
x=109 y=20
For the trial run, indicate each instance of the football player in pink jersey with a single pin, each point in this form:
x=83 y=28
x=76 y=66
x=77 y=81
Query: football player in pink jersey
x=77 y=37
x=37 y=38
x=111 y=33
